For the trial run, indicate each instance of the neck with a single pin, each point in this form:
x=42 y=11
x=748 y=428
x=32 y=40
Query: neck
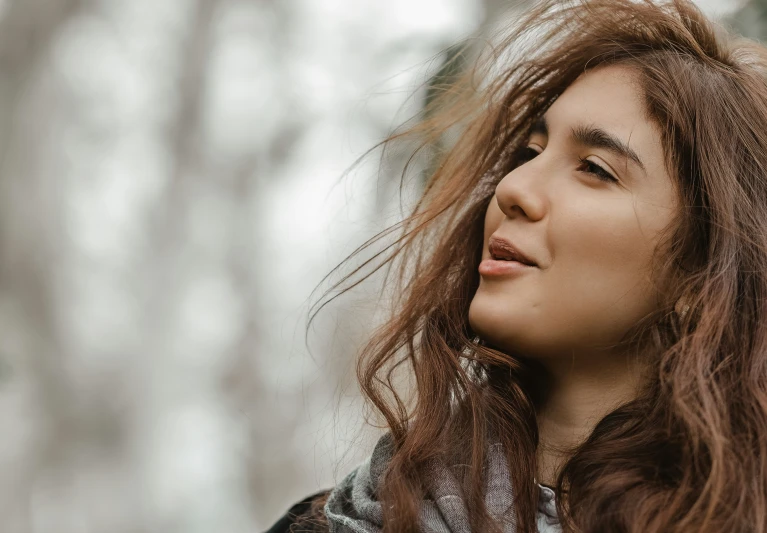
x=582 y=391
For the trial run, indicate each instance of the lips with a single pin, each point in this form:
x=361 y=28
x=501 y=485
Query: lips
x=502 y=250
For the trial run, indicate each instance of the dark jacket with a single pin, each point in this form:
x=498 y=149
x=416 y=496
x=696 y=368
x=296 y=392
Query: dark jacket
x=294 y=515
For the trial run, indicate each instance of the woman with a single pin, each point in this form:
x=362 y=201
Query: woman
x=583 y=291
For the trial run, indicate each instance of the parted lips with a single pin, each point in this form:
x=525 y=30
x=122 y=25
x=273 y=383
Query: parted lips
x=502 y=250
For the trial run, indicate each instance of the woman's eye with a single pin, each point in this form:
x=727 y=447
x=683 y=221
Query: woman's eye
x=592 y=168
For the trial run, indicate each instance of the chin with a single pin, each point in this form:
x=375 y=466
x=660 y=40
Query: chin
x=499 y=327
x=512 y=331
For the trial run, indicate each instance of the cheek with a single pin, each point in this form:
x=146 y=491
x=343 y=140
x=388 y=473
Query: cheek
x=602 y=275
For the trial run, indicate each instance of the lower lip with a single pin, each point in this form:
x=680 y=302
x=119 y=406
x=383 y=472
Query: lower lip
x=494 y=268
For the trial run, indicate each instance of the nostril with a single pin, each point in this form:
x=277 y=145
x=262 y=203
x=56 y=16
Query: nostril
x=511 y=208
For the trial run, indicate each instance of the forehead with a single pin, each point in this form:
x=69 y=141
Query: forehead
x=610 y=98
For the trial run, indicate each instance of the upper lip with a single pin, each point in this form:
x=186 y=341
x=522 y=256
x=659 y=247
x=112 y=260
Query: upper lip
x=502 y=249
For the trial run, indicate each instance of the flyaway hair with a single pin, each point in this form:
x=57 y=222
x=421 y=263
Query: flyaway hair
x=690 y=453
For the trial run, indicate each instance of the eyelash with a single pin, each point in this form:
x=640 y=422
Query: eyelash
x=526 y=154
x=595 y=169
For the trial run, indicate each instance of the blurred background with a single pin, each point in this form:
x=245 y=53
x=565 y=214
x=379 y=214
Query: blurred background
x=171 y=193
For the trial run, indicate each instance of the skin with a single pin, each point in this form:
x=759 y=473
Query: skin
x=593 y=241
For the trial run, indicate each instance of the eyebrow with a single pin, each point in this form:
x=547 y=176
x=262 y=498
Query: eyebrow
x=593 y=137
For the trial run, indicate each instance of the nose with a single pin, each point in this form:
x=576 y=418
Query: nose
x=521 y=191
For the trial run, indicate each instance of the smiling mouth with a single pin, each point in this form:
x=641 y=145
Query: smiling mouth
x=505 y=260
x=503 y=250
x=490 y=268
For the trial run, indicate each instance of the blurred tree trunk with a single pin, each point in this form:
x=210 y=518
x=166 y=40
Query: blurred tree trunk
x=30 y=233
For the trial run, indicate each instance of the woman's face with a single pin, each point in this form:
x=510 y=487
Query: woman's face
x=587 y=206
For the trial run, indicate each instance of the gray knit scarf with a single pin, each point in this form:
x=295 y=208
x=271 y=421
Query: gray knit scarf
x=352 y=506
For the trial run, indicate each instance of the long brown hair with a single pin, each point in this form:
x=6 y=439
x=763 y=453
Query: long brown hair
x=688 y=454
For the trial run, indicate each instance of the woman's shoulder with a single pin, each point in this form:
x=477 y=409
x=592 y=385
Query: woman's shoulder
x=302 y=515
